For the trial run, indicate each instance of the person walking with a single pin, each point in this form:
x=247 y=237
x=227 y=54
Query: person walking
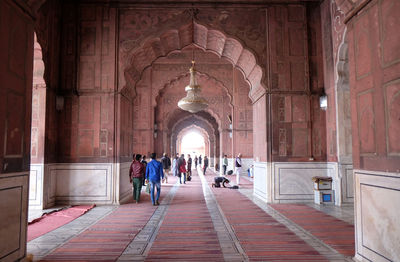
x=166 y=162
x=136 y=175
x=200 y=160
x=238 y=167
x=189 y=167
x=205 y=164
x=175 y=166
x=182 y=168
x=154 y=174
x=144 y=162
x=224 y=164
x=195 y=162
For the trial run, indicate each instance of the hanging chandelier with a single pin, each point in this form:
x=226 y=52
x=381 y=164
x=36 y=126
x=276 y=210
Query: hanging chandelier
x=193 y=102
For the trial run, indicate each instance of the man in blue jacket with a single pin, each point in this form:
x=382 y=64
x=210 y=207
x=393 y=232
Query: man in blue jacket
x=154 y=174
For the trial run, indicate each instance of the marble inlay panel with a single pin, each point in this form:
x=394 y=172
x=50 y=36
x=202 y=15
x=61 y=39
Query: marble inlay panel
x=260 y=180
x=378 y=215
x=125 y=188
x=293 y=181
x=36 y=186
x=81 y=183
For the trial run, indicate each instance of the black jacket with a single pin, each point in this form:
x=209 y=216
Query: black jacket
x=166 y=162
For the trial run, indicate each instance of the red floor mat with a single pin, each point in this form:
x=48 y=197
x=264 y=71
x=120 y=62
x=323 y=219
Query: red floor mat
x=49 y=222
x=334 y=232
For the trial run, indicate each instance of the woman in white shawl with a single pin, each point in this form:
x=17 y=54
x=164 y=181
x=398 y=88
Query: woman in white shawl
x=175 y=167
x=238 y=167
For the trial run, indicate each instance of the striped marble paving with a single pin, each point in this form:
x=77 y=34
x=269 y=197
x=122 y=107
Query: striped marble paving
x=187 y=232
x=261 y=236
x=107 y=239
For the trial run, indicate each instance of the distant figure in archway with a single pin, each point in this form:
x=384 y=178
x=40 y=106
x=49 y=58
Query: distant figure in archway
x=195 y=161
x=238 y=167
x=189 y=167
x=182 y=168
x=144 y=162
x=175 y=167
x=205 y=164
x=225 y=164
x=166 y=162
x=200 y=160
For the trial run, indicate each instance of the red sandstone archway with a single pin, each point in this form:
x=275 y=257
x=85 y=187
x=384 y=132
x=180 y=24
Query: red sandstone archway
x=137 y=59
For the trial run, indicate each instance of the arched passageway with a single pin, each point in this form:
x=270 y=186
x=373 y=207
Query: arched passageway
x=194 y=141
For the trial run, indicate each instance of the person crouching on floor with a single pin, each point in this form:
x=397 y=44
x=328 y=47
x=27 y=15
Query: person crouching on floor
x=218 y=180
x=136 y=175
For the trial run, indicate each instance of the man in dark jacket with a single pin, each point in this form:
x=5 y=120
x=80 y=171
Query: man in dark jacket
x=136 y=175
x=205 y=160
x=166 y=162
x=195 y=162
x=189 y=168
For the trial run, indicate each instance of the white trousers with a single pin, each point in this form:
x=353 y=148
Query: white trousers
x=237 y=171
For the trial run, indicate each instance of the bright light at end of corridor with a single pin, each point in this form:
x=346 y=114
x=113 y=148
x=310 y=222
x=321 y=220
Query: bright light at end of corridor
x=192 y=140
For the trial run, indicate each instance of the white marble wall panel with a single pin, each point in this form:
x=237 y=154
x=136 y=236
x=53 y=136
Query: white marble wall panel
x=13 y=216
x=377 y=207
x=125 y=187
x=342 y=175
x=80 y=183
x=292 y=181
x=36 y=186
x=346 y=172
x=260 y=182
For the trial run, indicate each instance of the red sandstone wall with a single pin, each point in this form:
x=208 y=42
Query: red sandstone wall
x=242 y=117
x=374 y=56
x=86 y=124
x=260 y=114
x=295 y=57
x=298 y=125
x=329 y=73
x=16 y=88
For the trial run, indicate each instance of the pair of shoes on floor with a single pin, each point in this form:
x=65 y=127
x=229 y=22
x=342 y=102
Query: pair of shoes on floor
x=156 y=204
x=137 y=201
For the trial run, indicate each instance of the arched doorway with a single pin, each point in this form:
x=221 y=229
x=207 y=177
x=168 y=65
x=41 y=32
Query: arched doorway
x=192 y=141
x=37 y=130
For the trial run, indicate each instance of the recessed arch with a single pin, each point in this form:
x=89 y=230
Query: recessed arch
x=193 y=128
x=143 y=57
x=203 y=121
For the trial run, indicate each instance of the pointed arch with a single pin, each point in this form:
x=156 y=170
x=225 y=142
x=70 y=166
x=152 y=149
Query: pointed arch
x=142 y=57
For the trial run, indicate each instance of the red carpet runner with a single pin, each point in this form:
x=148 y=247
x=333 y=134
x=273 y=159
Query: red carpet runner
x=187 y=232
x=261 y=236
x=334 y=232
x=49 y=222
x=107 y=239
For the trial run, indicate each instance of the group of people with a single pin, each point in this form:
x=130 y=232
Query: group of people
x=237 y=165
x=152 y=173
